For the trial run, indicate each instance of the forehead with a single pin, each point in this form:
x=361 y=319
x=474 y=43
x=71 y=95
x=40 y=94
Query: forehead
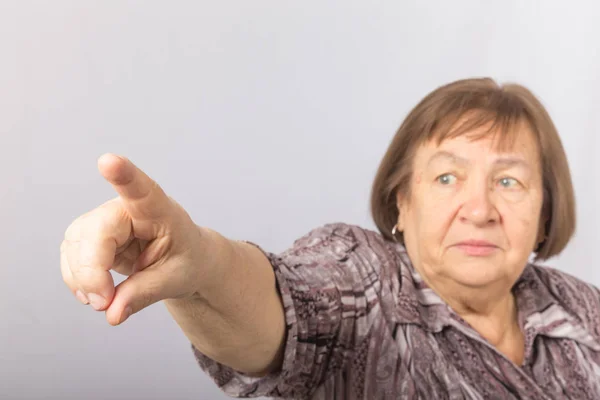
x=485 y=141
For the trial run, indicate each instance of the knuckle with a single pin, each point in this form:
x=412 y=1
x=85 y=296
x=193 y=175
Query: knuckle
x=77 y=228
x=72 y=231
x=88 y=280
x=69 y=282
x=66 y=272
x=84 y=274
x=87 y=224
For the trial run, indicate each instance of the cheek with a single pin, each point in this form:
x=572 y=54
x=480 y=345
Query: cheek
x=434 y=214
x=431 y=210
x=521 y=220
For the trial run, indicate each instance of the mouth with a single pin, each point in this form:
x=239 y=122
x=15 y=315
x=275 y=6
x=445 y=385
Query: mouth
x=476 y=247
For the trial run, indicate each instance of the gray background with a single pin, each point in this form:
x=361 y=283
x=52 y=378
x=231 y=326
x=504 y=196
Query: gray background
x=264 y=119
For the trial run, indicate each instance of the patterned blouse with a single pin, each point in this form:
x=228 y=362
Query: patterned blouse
x=362 y=324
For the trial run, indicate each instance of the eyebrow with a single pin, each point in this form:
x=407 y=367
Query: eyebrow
x=456 y=159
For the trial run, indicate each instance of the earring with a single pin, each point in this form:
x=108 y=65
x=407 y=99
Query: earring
x=394 y=229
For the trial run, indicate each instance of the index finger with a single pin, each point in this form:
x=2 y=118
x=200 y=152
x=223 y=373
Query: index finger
x=142 y=197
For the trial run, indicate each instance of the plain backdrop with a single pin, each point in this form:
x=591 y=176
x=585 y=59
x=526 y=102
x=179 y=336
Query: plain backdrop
x=264 y=119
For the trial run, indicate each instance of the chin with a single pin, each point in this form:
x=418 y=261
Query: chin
x=476 y=275
x=475 y=283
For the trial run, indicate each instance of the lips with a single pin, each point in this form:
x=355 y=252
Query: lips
x=476 y=247
x=474 y=242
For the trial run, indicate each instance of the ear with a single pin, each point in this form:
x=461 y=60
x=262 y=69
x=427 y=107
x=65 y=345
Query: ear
x=542 y=234
x=401 y=205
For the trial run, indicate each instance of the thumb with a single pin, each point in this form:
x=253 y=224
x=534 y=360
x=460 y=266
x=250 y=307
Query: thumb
x=142 y=197
x=137 y=292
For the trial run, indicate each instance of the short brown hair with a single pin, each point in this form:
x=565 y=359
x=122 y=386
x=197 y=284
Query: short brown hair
x=502 y=105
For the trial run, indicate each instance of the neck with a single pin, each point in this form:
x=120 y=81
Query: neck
x=490 y=310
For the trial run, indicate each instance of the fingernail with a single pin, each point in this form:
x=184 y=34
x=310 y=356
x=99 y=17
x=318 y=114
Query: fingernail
x=96 y=300
x=126 y=314
x=81 y=297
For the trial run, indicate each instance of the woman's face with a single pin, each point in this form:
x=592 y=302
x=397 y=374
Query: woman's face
x=474 y=214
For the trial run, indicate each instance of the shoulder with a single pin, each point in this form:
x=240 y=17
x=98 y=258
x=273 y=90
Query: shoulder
x=340 y=254
x=578 y=297
x=561 y=283
x=343 y=241
x=340 y=231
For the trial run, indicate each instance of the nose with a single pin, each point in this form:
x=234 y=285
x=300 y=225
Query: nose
x=478 y=205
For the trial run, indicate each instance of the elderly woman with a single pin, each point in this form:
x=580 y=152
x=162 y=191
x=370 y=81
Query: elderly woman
x=446 y=301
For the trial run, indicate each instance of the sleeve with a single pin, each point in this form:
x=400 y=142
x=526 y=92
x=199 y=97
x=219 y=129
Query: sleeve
x=329 y=284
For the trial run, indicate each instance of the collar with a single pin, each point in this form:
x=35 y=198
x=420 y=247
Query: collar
x=540 y=311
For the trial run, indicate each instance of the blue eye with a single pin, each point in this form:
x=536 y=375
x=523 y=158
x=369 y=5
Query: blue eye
x=446 y=179
x=508 y=182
